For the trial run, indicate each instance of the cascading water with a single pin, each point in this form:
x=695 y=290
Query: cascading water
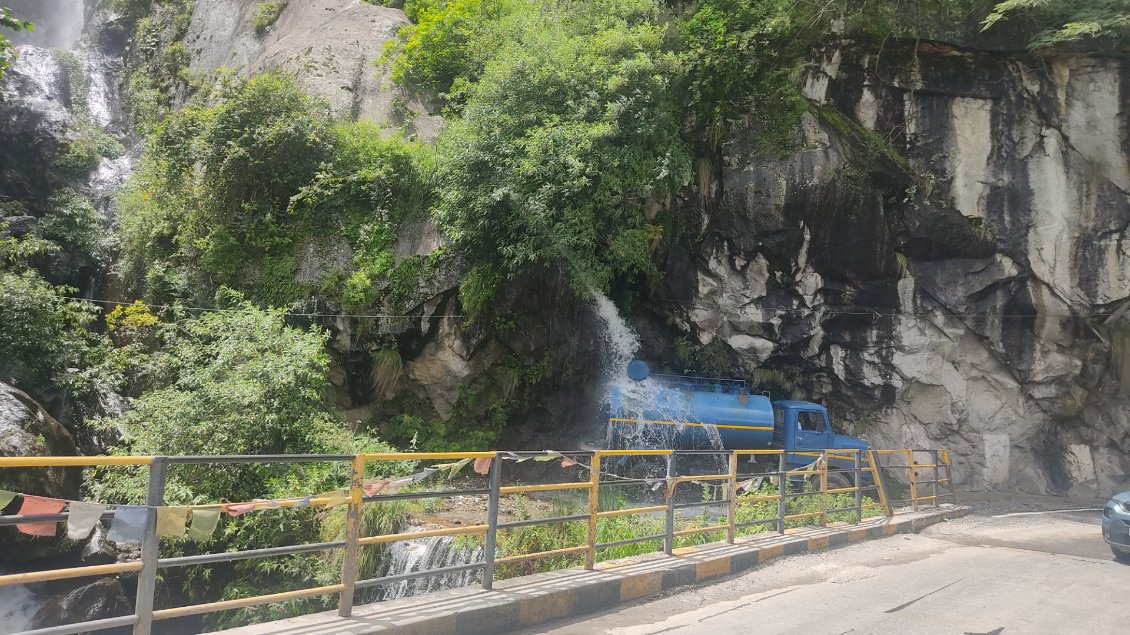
x=621 y=345
x=620 y=341
x=422 y=554
x=17 y=609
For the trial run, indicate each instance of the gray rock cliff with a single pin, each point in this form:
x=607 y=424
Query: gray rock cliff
x=941 y=261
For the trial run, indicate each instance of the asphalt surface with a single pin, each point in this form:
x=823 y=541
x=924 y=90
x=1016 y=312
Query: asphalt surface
x=1012 y=566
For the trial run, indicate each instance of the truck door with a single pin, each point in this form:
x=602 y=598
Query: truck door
x=812 y=431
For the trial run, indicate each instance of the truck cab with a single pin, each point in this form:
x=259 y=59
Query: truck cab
x=802 y=425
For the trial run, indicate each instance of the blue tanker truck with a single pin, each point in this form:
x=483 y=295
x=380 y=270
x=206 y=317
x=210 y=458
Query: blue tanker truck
x=703 y=413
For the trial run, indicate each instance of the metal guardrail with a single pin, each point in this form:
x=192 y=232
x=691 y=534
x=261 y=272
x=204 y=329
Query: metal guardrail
x=898 y=460
x=862 y=465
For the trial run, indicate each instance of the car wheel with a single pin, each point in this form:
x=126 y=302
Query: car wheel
x=1121 y=556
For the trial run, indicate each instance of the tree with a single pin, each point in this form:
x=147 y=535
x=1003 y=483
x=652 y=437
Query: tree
x=7 y=50
x=46 y=346
x=1063 y=22
x=234 y=381
x=569 y=131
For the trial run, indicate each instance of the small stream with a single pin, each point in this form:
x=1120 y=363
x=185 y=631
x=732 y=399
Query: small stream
x=422 y=554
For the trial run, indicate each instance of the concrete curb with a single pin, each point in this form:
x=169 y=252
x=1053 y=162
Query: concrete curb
x=544 y=597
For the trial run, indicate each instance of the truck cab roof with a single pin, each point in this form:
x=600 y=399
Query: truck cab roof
x=788 y=404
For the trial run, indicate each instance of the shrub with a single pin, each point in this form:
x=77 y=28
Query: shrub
x=74 y=223
x=266 y=13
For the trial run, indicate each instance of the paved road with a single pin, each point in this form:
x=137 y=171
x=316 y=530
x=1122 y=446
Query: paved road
x=988 y=573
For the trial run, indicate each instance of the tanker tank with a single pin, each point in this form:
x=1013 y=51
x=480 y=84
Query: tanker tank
x=680 y=412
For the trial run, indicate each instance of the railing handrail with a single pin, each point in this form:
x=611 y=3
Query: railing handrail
x=863 y=463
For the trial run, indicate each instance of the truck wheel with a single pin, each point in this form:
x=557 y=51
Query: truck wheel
x=839 y=480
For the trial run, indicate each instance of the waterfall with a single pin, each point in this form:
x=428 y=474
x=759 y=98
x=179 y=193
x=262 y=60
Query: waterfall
x=422 y=554
x=620 y=342
x=17 y=608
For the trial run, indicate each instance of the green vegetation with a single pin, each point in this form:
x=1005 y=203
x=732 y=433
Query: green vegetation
x=7 y=51
x=266 y=13
x=237 y=188
x=538 y=538
x=73 y=221
x=1067 y=22
x=86 y=150
x=159 y=67
x=46 y=343
x=239 y=381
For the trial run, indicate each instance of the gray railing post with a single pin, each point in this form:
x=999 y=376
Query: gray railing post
x=352 y=536
x=150 y=549
x=490 y=544
x=669 y=524
x=783 y=491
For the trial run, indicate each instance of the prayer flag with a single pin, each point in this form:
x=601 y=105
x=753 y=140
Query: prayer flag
x=454 y=468
x=548 y=456
x=372 y=489
x=237 y=509
x=482 y=466
x=171 y=521
x=396 y=484
x=567 y=462
x=302 y=502
x=204 y=523
x=35 y=506
x=423 y=474
x=81 y=519
x=6 y=498
x=128 y=525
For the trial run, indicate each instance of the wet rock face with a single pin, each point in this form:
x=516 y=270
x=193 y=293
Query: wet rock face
x=330 y=45
x=98 y=600
x=27 y=430
x=932 y=262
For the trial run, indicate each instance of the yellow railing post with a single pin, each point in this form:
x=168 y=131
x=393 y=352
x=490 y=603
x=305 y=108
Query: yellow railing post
x=732 y=508
x=352 y=536
x=669 y=514
x=880 y=489
x=782 y=491
x=913 y=479
x=858 y=482
x=937 y=475
x=823 y=488
x=594 y=507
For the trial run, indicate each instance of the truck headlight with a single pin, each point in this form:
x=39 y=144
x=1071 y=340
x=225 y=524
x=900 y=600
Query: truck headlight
x=1125 y=505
